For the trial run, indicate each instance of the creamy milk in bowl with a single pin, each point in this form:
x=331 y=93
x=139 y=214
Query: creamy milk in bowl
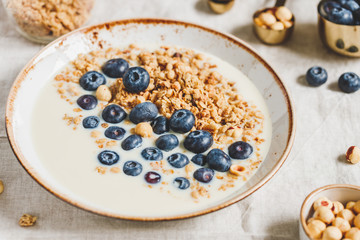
x=211 y=123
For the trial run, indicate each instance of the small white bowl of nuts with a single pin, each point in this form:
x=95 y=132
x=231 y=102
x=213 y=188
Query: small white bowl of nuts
x=331 y=212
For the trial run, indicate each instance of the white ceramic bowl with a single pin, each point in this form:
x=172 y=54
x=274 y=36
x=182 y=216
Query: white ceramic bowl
x=151 y=31
x=336 y=192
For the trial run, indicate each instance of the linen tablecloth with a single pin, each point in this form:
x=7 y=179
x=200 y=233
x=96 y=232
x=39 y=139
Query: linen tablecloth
x=328 y=122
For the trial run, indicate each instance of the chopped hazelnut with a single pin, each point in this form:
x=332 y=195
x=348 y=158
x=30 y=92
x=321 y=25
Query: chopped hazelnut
x=237 y=169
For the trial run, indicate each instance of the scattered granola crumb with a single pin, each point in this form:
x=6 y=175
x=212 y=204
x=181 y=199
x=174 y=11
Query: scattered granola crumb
x=95 y=134
x=115 y=170
x=27 y=220
x=101 y=170
x=144 y=129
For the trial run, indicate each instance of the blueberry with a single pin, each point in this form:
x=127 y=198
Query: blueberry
x=108 y=157
x=240 y=150
x=198 y=141
x=143 y=112
x=182 y=121
x=136 y=79
x=91 y=122
x=204 y=175
x=132 y=168
x=341 y=16
x=152 y=177
x=116 y=133
x=182 y=183
x=113 y=114
x=351 y=5
x=90 y=81
x=115 y=68
x=316 y=76
x=178 y=160
x=199 y=159
x=87 y=102
x=329 y=5
x=160 y=125
x=218 y=160
x=152 y=154
x=131 y=142
x=349 y=82
x=167 y=142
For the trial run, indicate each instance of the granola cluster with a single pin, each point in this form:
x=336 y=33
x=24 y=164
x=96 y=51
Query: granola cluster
x=183 y=79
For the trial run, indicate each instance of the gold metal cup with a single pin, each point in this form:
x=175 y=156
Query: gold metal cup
x=342 y=39
x=221 y=6
x=270 y=36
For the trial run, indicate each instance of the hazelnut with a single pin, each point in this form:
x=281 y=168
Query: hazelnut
x=103 y=93
x=324 y=214
x=287 y=24
x=356 y=207
x=353 y=234
x=342 y=224
x=337 y=207
x=258 y=22
x=237 y=169
x=353 y=154
x=267 y=18
x=350 y=205
x=347 y=215
x=315 y=228
x=357 y=221
x=277 y=26
x=144 y=129
x=283 y=13
x=332 y=233
x=1 y=186
x=323 y=201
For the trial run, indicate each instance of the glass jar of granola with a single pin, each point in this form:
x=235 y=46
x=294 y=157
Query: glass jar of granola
x=44 y=20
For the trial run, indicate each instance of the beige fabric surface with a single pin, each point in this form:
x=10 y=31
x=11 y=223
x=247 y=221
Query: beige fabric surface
x=327 y=123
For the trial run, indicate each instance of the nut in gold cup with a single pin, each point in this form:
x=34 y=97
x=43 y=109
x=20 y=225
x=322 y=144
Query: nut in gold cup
x=342 y=39
x=271 y=36
x=221 y=6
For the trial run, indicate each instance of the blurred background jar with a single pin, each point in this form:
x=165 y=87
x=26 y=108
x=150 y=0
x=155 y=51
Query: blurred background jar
x=45 y=20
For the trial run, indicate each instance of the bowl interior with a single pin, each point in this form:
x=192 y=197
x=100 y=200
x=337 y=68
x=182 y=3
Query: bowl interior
x=147 y=32
x=341 y=193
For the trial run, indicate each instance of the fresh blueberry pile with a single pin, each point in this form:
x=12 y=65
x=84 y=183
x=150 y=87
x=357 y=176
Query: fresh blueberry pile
x=348 y=82
x=344 y=12
x=135 y=80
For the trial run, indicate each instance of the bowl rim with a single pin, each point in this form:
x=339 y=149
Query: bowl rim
x=316 y=191
x=150 y=21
